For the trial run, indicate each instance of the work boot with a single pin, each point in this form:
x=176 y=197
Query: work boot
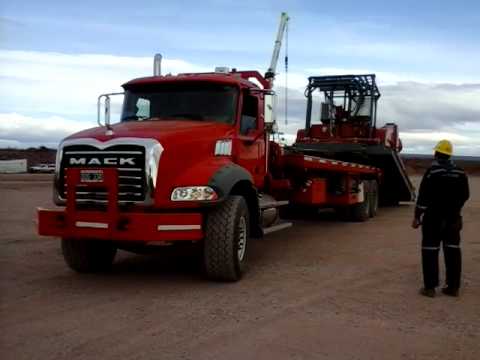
x=450 y=291
x=427 y=292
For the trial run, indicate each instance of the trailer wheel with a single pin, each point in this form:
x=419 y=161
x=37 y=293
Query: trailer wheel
x=373 y=198
x=226 y=237
x=88 y=256
x=387 y=197
x=361 y=212
x=390 y=201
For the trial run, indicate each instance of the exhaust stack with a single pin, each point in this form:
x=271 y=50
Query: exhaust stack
x=157 y=65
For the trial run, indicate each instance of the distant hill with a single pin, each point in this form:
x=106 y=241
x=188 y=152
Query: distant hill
x=430 y=157
x=418 y=163
x=34 y=156
x=415 y=163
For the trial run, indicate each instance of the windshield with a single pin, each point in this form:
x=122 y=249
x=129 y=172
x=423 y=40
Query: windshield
x=186 y=101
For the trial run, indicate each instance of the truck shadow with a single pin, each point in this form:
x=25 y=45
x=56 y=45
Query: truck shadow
x=169 y=262
x=185 y=263
x=330 y=215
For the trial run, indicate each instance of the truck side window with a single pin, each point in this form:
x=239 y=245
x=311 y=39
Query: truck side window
x=249 y=114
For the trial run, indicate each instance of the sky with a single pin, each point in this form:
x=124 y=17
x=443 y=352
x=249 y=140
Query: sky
x=56 y=57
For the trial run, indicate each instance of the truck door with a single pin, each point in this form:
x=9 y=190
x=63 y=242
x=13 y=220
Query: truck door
x=250 y=141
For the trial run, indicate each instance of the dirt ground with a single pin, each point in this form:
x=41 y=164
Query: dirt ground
x=320 y=290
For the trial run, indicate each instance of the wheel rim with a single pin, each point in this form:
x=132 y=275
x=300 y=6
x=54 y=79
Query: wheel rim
x=242 y=238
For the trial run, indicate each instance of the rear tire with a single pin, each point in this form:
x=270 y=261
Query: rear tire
x=227 y=232
x=361 y=212
x=373 y=194
x=88 y=256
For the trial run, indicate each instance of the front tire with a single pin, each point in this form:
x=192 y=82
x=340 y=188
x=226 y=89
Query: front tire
x=226 y=236
x=88 y=256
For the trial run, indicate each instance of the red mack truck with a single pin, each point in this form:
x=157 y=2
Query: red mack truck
x=193 y=161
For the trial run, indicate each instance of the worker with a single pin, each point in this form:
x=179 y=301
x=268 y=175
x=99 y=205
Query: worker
x=442 y=194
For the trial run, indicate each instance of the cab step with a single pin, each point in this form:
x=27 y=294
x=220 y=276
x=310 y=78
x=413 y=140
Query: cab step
x=277 y=227
x=272 y=204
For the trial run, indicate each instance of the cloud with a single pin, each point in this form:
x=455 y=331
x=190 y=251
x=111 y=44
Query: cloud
x=46 y=96
x=419 y=106
x=424 y=142
x=425 y=113
x=17 y=130
x=106 y=62
x=435 y=136
x=53 y=83
x=10 y=144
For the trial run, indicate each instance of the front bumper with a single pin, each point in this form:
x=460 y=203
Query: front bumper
x=113 y=224
x=140 y=227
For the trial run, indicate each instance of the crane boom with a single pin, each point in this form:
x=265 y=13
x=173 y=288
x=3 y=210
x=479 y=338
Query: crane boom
x=270 y=74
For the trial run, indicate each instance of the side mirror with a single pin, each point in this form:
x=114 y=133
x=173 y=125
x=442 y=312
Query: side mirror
x=269 y=113
x=106 y=107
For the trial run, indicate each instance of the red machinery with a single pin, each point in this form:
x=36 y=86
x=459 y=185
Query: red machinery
x=192 y=162
x=344 y=128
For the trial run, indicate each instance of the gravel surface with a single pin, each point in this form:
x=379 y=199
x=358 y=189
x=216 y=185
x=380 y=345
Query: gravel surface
x=320 y=290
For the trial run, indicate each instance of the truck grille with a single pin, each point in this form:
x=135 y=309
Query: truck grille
x=128 y=159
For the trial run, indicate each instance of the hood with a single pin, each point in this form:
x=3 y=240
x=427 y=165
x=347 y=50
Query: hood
x=183 y=145
x=165 y=131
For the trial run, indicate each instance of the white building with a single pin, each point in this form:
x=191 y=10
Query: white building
x=13 y=166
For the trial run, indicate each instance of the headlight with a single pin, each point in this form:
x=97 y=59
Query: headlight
x=194 y=193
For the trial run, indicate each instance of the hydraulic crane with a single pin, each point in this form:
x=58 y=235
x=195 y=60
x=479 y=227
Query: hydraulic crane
x=270 y=74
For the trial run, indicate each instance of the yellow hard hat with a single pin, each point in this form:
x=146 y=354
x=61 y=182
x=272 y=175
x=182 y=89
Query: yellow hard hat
x=444 y=147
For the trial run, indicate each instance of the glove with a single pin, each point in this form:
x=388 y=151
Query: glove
x=416 y=223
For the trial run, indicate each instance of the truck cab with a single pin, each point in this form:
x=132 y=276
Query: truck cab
x=186 y=162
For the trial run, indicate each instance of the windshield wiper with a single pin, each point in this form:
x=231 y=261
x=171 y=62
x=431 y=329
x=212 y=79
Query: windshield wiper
x=135 y=118
x=188 y=116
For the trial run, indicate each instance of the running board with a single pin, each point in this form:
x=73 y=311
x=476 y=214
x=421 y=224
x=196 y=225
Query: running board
x=272 y=204
x=277 y=227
